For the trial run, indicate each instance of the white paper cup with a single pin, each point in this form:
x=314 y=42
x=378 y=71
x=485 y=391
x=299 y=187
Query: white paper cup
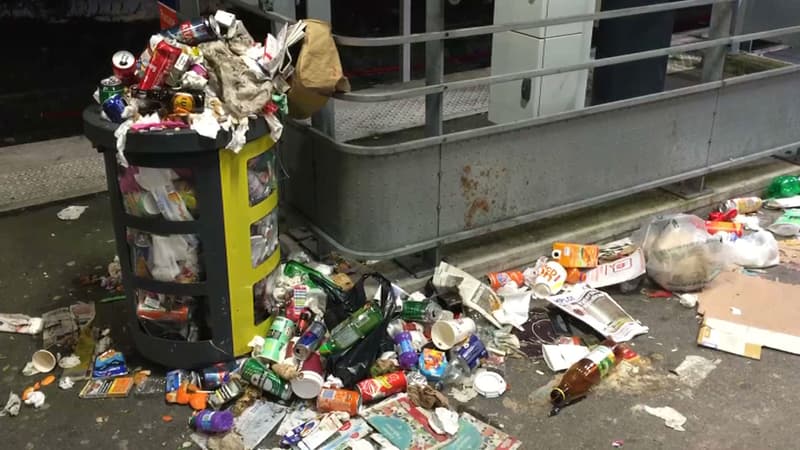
x=43 y=361
x=447 y=333
x=550 y=279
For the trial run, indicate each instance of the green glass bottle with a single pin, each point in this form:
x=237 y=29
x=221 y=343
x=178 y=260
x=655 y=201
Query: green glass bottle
x=347 y=333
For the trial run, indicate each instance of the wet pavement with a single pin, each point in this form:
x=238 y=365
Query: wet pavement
x=742 y=404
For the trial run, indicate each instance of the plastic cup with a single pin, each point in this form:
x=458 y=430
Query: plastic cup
x=43 y=361
x=309 y=384
x=447 y=333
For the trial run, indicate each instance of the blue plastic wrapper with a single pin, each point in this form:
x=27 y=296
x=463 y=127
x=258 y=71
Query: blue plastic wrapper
x=110 y=363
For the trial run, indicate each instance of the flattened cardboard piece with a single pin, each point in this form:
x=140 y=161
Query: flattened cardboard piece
x=770 y=316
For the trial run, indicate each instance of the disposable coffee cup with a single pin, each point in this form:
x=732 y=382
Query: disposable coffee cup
x=550 y=279
x=309 y=383
x=447 y=333
x=43 y=361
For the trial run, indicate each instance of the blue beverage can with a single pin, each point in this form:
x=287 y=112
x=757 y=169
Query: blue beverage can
x=472 y=351
x=310 y=341
x=114 y=106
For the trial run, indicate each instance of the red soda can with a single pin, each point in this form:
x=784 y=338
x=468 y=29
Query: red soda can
x=124 y=65
x=161 y=62
x=195 y=31
x=381 y=387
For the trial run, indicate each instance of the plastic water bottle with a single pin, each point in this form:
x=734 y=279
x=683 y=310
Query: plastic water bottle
x=210 y=421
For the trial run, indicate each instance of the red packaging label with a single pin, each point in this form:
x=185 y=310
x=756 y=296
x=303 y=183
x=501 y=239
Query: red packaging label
x=382 y=386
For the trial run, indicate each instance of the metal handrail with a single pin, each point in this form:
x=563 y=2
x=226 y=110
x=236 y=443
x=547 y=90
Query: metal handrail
x=353 y=41
x=442 y=87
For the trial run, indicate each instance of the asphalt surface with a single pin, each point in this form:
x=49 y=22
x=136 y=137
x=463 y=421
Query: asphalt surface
x=743 y=404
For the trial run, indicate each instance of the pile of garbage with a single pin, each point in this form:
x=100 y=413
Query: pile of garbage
x=209 y=74
x=361 y=363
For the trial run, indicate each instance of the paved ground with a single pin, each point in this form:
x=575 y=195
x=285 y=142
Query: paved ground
x=742 y=404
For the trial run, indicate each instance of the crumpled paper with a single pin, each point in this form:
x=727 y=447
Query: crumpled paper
x=444 y=421
x=66 y=383
x=427 y=397
x=35 y=399
x=12 y=405
x=672 y=418
x=72 y=212
x=257 y=344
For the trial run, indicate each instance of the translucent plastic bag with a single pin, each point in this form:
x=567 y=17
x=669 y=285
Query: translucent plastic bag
x=756 y=250
x=680 y=254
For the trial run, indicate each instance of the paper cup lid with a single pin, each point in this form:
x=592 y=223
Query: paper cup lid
x=308 y=385
x=489 y=384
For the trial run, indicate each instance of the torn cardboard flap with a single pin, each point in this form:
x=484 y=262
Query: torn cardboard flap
x=769 y=315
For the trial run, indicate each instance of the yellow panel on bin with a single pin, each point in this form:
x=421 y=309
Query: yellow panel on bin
x=238 y=216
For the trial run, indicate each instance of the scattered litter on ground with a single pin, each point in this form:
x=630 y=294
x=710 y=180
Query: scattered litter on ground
x=687 y=300
x=20 y=323
x=71 y=212
x=694 y=369
x=672 y=418
x=12 y=405
x=66 y=383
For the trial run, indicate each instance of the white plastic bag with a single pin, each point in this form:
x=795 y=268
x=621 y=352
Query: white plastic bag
x=680 y=254
x=755 y=250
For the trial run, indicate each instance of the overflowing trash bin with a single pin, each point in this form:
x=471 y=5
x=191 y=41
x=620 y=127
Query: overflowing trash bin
x=197 y=236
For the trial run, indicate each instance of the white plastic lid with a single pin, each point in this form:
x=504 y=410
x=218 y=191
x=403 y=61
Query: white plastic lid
x=489 y=384
x=308 y=385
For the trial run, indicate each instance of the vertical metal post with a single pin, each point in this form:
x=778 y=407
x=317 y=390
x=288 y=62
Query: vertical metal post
x=325 y=119
x=738 y=23
x=405 y=28
x=434 y=67
x=714 y=58
x=434 y=114
x=422 y=264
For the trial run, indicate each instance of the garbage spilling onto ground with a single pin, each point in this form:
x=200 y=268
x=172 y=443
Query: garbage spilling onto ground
x=358 y=362
x=210 y=75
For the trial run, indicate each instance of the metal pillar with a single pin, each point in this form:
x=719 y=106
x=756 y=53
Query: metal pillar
x=325 y=119
x=405 y=28
x=714 y=58
x=422 y=264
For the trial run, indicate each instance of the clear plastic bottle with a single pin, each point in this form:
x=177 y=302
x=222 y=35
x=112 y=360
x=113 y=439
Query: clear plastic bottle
x=744 y=205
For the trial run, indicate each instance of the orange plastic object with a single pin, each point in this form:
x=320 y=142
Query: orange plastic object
x=48 y=380
x=37 y=386
x=198 y=401
x=715 y=226
x=166 y=418
x=28 y=391
x=575 y=255
x=182 y=397
x=575 y=276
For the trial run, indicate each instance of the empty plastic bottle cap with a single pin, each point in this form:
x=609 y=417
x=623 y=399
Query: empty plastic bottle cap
x=489 y=384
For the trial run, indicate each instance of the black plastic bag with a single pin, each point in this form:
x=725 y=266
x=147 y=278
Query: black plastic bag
x=352 y=365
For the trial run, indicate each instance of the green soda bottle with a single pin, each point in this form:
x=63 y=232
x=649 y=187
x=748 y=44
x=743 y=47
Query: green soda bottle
x=784 y=186
x=310 y=276
x=347 y=333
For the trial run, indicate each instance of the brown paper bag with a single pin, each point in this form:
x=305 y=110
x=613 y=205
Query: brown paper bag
x=318 y=71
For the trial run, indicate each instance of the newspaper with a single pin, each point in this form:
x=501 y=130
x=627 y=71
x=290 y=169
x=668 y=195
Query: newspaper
x=598 y=310
x=616 y=272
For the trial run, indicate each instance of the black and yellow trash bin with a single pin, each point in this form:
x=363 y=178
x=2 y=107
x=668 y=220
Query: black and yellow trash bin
x=196 y=230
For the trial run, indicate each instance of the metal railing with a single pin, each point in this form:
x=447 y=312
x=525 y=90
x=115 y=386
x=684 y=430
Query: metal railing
x=709 y=120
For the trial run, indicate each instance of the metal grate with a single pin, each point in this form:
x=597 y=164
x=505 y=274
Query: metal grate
x=359 y=120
